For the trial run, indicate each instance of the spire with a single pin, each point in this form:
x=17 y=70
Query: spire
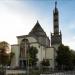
x=55 y=4
x=37 y=22
x=56 y=19
x=56 y=10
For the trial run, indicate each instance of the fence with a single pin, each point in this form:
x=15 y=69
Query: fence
x=40 y=71
x=61 y=73
x=49 y=71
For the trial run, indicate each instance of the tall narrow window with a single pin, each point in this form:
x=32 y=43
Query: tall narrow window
x=24 y=46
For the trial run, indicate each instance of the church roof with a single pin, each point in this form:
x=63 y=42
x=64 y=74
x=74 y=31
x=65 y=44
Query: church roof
x=39 y=34
x=37 y=30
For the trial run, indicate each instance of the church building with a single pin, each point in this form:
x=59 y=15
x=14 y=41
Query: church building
x=38 y=38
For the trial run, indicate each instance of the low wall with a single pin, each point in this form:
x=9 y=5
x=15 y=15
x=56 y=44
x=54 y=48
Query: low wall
x=15 y=72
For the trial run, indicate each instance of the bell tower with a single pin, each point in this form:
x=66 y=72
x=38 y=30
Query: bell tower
x=56 y=36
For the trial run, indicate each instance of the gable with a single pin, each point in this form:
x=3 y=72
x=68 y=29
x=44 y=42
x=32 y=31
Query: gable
x=37 y=30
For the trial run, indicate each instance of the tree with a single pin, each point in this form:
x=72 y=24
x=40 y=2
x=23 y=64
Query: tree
x=45 y=65
x=45 y=62
x=4 y=59
x=5 y=53
x=64 y=57
x=73 y=58
x=33 y=55
x=4 y=56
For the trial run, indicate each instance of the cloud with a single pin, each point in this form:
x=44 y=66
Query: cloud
x=70 y=42
x=14 y=20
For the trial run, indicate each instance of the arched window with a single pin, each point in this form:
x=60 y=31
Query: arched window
x=24 y=46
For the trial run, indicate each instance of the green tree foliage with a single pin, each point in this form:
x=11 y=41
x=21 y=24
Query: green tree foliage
x=33 y=55
x=64 y=57
x=5 y=57
x=45 y=62
x=73 y=57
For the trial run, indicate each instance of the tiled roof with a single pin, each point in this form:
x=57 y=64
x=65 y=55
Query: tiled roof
x=37 y=30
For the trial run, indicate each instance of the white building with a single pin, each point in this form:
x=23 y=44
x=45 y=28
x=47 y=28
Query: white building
x=38 y=38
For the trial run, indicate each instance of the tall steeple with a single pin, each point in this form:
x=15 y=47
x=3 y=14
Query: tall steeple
x=55 y=4
x=56 y=37
x=56 y=20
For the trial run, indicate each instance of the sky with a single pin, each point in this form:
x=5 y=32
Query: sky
x=18 y=17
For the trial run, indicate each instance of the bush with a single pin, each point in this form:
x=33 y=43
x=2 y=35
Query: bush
x=45 y=62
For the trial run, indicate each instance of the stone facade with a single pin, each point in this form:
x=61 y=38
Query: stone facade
x=40 y=41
